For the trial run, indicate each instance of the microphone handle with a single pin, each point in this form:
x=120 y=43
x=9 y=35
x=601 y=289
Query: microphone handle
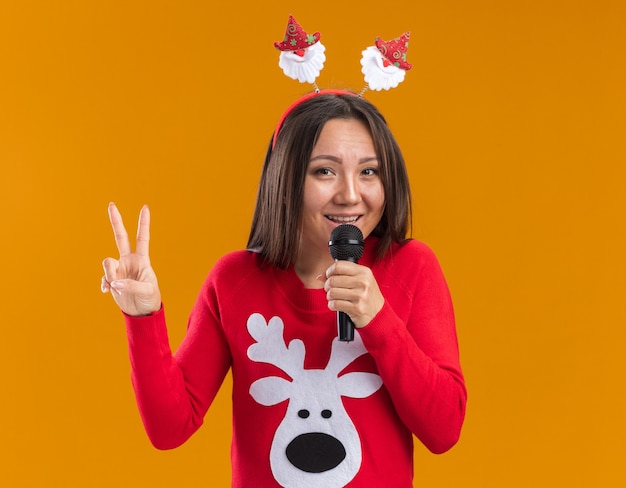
x=345 y=326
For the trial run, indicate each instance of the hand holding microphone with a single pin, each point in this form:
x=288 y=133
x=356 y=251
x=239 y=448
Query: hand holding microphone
x=350 y=288
x=346 y=243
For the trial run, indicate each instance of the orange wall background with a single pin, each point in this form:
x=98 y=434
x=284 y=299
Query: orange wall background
x=512 y=121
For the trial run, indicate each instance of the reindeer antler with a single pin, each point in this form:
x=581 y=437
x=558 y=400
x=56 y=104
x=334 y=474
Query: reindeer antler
x=343 y=353
x=270 y=346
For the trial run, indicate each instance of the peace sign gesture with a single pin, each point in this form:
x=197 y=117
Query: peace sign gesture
x=131 y=279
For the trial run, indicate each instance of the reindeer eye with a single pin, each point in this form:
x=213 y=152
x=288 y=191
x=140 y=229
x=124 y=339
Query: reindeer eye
x=327 y=414
x=303 y=414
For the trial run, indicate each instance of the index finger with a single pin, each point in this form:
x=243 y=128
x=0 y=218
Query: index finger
x=119 y=231
x=143 y=231
x=342 y=267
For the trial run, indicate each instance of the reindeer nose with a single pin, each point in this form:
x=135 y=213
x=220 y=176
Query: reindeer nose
x=315 y=452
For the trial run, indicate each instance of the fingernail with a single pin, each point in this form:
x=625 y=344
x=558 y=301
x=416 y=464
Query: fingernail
x=117 y=286
x=320 y=277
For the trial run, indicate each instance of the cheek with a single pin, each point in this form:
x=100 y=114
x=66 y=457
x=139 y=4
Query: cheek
x=310 y=205
x=376 y=197
x=315 y=196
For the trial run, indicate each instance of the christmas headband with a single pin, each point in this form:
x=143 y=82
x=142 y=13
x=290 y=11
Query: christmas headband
x=302 y=58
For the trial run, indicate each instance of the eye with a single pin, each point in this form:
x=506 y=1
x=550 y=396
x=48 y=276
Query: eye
x=323 y=171
x=303 y=414
x=327 y=414
x=370 y=172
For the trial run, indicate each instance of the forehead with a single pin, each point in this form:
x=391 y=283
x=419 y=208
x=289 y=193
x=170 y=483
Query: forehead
x=344 y=135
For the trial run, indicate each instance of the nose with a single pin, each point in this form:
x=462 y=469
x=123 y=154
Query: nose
x=348 y=192
x=315 y=452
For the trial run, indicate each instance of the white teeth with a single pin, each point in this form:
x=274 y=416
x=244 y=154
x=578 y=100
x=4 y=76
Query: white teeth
x=343 y=220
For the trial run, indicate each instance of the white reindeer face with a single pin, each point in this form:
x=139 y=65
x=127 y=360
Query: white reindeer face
x=316 y=443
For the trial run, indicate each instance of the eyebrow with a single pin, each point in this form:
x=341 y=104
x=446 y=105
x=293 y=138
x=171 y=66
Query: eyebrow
x=335 y=159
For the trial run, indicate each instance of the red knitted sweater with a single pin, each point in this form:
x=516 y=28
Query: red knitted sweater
x=309 y=411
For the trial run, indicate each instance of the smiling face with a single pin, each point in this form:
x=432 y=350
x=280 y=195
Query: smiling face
x=342 y=185
x=309 y=174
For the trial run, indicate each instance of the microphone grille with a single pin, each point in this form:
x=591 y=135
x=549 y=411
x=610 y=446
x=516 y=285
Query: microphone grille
x=346 y=243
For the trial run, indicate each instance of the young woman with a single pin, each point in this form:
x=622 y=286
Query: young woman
x=308 y=410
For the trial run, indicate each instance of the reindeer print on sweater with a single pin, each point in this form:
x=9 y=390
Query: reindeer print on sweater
x=316 y=444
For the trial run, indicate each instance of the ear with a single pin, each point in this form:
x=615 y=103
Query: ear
x=359 y=385
x=271 y=390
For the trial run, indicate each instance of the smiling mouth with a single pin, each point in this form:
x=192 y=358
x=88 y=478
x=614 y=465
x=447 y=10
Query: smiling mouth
x=343 y=220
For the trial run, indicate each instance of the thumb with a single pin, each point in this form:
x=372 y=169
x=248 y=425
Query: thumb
x=133 y=287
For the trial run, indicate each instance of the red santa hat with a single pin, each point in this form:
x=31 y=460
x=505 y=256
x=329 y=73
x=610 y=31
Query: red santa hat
x=296 y=38
x=394 y=51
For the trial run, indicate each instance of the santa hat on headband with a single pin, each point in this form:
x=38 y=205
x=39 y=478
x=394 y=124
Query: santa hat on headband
x=384 y=64
x=296 y=38
x=394 y=51
x=301 y=55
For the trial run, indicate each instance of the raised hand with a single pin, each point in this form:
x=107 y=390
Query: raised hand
x=352 y=289
x=131 y=279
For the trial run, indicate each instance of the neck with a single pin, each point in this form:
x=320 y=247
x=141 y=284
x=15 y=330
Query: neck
x=311 y=269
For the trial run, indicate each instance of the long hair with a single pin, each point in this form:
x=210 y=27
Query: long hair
x=276 y=224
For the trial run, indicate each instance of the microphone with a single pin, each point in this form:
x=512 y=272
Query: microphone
x=346 y=244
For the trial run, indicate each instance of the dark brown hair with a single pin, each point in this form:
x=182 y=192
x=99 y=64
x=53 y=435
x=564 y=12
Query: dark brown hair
x=276 y=224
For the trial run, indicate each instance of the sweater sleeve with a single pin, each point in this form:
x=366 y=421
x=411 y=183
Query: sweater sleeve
x=174 y=391
x=417 y=355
